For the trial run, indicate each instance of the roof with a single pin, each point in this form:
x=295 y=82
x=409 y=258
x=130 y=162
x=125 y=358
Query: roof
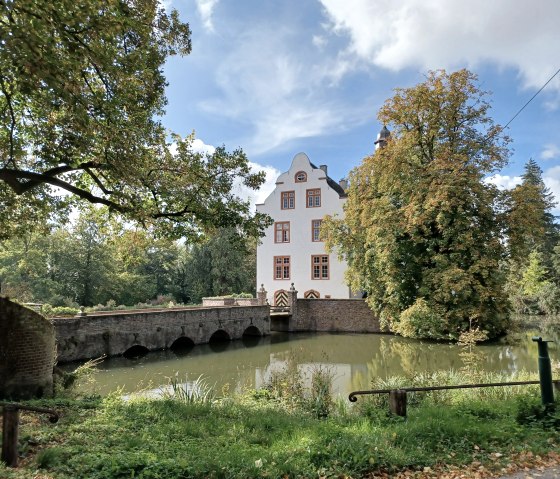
x=383 y=135
x=333 y=184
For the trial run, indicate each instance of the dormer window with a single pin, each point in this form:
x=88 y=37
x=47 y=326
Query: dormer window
x=301 y=177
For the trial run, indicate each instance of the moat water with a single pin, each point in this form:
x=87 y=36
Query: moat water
x=353 y=360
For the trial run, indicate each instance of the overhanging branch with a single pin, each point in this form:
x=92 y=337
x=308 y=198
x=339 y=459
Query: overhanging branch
x=13 y=179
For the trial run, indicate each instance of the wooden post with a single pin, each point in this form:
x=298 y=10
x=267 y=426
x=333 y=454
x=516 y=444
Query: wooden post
x=397 y=402
x=10 y=435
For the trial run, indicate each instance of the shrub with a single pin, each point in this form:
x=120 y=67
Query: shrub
x=47 y=458
x=549 y=299
x=49 y=311
x=161 y=300
x=288 y=386
x=321 y=400
x=420 y=321
x=530 y=411
x=190 y=392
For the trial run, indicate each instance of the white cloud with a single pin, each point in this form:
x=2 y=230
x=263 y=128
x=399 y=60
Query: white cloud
x=319 y=41
x=205 y=10
x=268 y=186
x=551 y=178
x=256 y=197
x=200 y=147
x=432 y=34
x=239 y=188
x=550 y=152
x=284 y=94
x=504 y=182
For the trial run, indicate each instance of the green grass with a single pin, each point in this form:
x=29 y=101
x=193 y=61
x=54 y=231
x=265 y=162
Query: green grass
x=287 y=430
x=257 y=436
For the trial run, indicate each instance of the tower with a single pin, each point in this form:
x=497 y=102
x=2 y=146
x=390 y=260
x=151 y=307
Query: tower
x=382 y=138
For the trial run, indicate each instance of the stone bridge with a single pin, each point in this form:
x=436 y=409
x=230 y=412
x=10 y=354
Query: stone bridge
x=133 y=333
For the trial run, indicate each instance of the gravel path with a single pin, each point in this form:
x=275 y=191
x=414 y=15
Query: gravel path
x=549 y=473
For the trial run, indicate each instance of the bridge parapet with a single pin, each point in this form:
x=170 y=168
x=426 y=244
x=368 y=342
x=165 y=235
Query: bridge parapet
x=112 y=334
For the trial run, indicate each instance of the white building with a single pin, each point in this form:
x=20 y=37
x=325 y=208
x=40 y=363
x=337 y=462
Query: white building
x=291 y=251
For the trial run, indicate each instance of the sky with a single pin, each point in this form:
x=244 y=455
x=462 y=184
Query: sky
x=281 y=77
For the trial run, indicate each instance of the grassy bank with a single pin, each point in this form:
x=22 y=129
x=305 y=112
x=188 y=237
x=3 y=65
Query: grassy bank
x=283 y=432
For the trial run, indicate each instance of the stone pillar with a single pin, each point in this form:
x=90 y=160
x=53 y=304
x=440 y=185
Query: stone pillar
x=292 y=303
x=261 y=296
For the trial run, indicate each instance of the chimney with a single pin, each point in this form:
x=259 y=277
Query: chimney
x=324 y=168
x=343 y=183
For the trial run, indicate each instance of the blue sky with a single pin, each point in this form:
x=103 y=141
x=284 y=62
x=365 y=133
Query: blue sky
x=279 y=77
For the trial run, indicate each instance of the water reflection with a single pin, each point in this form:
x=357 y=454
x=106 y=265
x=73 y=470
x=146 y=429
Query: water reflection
x=353 y=359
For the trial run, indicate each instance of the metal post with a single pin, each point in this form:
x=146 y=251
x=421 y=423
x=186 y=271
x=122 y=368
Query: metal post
x=545 y=371
x=10 y=435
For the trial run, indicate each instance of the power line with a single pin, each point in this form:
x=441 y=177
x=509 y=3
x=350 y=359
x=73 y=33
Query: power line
x=531 y=99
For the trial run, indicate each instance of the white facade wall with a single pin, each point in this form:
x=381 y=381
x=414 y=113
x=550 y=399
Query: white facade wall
x=300 y=247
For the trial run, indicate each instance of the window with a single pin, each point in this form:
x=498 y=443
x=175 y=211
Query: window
x=288 y=200
x=301 y=177
x=282 y=232
x=320 y=267
x=314 y=198
x=281 y=267
x=316 y=230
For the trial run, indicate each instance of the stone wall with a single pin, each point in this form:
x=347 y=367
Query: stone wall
x=341 y=315
x=114 y=333
x=27 y=352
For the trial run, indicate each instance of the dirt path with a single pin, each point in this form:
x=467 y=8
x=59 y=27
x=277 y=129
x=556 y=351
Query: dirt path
x=547 y=473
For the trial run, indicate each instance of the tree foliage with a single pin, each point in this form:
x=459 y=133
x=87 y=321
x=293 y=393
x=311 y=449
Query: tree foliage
x=530 y=223
x=225 y=264
x=81 y=94
x=94 y=260
x=533 y=281
x=420 y=228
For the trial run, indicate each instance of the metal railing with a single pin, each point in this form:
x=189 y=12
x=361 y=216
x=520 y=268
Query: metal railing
x=398 y=397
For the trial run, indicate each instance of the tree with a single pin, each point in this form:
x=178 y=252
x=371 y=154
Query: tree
x=82 y=259
x=420 y=232
x=530 y=289
x=225 y=264
x=530 y=223
x=532 y=235
x=81 y=91
x=233 y=263
x=24 y=267
x=145 y=266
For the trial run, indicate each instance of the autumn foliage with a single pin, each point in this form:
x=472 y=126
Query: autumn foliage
x=420 y=233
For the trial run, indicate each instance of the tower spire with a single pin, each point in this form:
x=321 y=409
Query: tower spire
x=382 y=137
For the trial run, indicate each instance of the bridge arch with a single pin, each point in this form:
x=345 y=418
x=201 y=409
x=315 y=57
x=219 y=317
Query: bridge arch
x=182 y=345
x=220 y=336
x=136 y=351
x=219 y=341
x=252 y=331
x=251 y=337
